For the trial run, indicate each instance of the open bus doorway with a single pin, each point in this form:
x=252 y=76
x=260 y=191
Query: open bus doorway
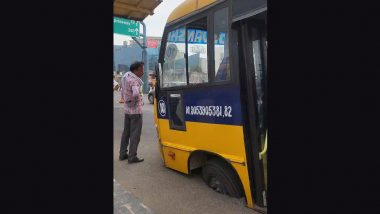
x=253 y=46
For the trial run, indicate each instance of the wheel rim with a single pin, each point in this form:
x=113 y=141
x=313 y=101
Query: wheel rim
x=216 y=185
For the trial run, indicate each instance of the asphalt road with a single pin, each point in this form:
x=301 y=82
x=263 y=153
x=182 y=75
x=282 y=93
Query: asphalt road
x=162 y=190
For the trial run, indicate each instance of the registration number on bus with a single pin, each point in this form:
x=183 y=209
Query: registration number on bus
x=211 y=111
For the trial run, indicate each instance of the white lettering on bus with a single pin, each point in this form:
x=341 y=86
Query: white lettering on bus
x=198 y=36
x=211 y=111
x=190 y=34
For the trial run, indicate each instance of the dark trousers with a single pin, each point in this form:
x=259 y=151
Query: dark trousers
x=131 y=135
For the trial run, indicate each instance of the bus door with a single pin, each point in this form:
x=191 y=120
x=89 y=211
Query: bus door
x=253 y=46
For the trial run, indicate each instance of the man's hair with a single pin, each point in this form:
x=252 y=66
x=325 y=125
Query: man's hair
x=136 y=65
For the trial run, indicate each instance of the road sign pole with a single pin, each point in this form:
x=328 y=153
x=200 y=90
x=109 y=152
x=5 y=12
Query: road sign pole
x=145 y=58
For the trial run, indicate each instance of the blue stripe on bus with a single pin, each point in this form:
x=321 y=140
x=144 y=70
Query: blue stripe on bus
x=217 y=105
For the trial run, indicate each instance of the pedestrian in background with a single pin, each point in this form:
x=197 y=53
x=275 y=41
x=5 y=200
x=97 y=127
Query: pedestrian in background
x=121 y=95
x=131 y=92
x=116 y=85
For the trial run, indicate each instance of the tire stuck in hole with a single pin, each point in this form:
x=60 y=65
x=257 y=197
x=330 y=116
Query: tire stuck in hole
x=219 y=176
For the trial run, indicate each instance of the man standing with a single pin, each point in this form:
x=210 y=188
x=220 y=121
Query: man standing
x=132 y=94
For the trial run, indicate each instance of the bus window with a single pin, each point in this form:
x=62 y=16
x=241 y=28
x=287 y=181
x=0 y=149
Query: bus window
x=174 y=66
x=197 y=51
x=222 y=68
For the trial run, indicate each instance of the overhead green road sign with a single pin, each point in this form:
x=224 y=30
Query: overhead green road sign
x=126 y=27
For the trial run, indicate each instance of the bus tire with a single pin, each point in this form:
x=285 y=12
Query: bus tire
x=219 y=176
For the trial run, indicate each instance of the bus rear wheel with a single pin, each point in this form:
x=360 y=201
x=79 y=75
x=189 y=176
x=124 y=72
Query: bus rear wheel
x=219 y=176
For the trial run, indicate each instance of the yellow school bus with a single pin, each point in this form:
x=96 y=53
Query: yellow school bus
x=210 y=97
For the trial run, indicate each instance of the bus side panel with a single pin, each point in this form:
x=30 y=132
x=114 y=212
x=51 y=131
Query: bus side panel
x=176 y=159
x=206 y=137
x=225 y=140
x=157 y=128
x=244 y=178
x=221 y=134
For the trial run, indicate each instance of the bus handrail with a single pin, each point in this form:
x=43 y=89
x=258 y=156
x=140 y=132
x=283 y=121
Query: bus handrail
x=265 y=146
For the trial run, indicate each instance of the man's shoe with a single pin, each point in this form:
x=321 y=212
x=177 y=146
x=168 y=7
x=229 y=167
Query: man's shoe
x=123 y=157
x=136 y=160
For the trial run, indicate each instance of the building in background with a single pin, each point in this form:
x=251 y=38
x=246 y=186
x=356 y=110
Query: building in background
x=124 y=55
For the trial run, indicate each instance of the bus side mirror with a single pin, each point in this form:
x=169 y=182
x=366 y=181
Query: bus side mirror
x=156 y=68
x=158 y=71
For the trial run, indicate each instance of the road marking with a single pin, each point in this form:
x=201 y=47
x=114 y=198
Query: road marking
x=146 y=208
x=129 y=208
x=143 y=205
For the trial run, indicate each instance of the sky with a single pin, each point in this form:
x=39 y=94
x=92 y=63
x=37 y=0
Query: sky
x=154 y=24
